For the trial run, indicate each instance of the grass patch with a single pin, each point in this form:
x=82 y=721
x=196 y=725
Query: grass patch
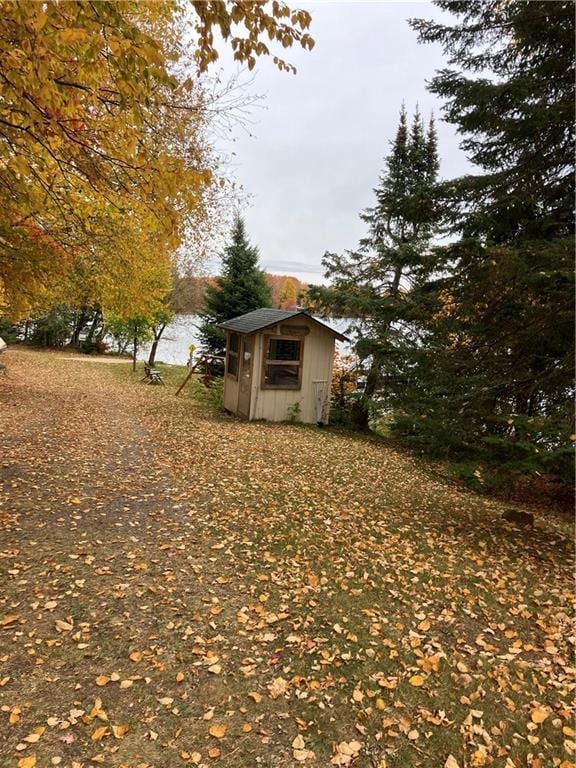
x=270 y=579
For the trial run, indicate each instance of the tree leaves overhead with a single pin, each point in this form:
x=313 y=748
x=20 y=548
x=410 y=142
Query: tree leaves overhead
x=245 y=25
x=104 y=144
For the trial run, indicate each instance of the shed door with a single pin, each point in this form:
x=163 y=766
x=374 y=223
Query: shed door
x=245 y=377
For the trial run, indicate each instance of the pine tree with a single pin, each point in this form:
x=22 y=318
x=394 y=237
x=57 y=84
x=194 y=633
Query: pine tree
x=370 y=283
x=241 y=288
x=492 y=376
x=510 y=92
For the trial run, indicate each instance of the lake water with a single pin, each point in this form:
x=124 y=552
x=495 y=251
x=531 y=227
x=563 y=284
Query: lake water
x=173 y=346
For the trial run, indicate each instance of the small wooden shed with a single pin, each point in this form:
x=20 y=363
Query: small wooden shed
x=279 y=366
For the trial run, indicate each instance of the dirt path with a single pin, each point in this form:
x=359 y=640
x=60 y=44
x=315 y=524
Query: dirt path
x=92 y=543
x=186 y=590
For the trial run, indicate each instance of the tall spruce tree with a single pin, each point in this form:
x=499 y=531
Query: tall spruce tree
x=241 y=288
x=492 y=376
x=371 y=283
x=509 y=90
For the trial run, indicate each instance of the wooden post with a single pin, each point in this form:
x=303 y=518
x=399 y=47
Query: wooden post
x=188 y=375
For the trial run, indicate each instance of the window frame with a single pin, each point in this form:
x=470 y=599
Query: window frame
x=231 y=353
x=266 y=362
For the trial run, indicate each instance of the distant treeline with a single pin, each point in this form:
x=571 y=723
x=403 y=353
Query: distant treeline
x=188 y=292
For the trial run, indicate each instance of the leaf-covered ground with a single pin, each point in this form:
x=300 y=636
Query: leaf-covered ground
x=180 y=589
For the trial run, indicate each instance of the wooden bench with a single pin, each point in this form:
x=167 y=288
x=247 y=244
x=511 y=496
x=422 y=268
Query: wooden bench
x=152 y=375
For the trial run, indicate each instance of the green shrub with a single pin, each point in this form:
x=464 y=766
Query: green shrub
x=212 y=396
x=53 y=329
x=8 y=331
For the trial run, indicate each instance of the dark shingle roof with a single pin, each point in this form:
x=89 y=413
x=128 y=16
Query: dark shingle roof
x=259 y=319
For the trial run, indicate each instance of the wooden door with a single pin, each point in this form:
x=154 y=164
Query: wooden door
x=245 y=377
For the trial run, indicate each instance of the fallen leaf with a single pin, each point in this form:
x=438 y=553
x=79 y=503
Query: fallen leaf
x=14 y=715
x=538 y=715
x=10 y=619
x=27 y=762
x=218 y=731
x=119 y=731
x=255 y=696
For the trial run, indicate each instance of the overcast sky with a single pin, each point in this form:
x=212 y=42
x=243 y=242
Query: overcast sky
x=319 y=137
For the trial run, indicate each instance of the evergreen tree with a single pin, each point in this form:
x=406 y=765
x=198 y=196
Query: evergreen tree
x=241 y=288
x=491 y=375
x=510 y=92
x=370 y=283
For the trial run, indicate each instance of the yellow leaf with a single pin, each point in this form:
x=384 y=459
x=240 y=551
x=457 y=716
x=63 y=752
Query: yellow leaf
x=102 y=680
x=136 y=656
x=215 y=669
x=416 y=680
x=218 y=731
x=126 y=683
x=14 y=715
x=8 y=620
x=255 y=696
x=63 y=626
x=99 y=733
x=214 y=752
x=451 y=762
x=32 y=738
x=179 y=677
x=538 y=715
x=119 y=731
x=27 y=762
x=424 y=626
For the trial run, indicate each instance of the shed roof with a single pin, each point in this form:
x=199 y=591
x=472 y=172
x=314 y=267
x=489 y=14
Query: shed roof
x=259 y=319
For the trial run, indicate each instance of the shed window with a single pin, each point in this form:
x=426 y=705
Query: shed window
x=232 y=355
x=282 y=364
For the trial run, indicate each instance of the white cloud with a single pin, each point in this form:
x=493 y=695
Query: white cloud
x=318 y=147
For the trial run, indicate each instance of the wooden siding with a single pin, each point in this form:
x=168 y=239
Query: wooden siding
x=318 y=358
x=231 y=384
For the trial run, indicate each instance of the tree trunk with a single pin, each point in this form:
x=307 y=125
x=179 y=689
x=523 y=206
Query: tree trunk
x=95 y=322
x=360 y=411
x=78 y=326
x=158 y=331
x=134 y=352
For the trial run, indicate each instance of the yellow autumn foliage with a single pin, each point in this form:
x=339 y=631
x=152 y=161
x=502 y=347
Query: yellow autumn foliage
x=104 y=156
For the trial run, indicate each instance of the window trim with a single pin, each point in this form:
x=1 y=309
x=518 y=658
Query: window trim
x=231 y=353
x=266 y=361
